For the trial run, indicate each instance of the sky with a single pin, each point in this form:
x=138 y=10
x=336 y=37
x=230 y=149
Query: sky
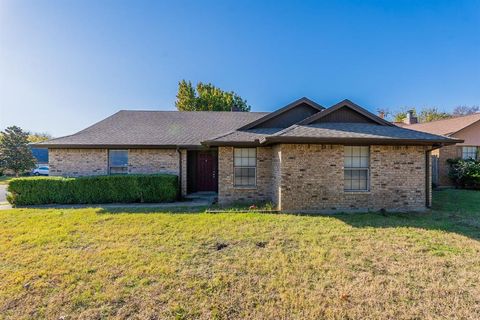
x=65 y=65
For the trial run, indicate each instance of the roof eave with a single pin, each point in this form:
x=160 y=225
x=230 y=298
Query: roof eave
x=210 y=143
x=121 y=146
x=378 y=141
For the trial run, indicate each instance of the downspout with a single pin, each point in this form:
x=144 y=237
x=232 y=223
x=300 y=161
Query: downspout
x=179 y=173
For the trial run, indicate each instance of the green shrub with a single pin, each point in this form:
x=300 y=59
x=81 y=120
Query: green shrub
x=99 y=189
x=465 y=173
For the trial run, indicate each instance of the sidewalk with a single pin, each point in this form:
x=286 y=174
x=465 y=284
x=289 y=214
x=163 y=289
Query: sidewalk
x=179 y=204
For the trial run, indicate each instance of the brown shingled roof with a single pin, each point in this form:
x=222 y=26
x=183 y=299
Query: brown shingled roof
x=447 y=126
x=155 y=129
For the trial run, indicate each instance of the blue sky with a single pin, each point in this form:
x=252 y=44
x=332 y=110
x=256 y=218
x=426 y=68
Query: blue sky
x=67 y=64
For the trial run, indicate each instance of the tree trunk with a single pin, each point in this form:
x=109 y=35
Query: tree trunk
x=16 y=174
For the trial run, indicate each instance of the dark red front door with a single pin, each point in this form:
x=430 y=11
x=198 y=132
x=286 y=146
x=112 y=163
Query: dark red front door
x=206 y=171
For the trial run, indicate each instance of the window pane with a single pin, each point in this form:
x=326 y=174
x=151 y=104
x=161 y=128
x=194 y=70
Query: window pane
x=364 y=151
x=355 y=184
x=355 y=151
x=355 y=162
x=348 y=151
x=237 y=152
x=118 y=158
x=237 y=161
x=362 y=184
x=364 y=162
x=252 y=162
x=356 y=180
x=348 y=162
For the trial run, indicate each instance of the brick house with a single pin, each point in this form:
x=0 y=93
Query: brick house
x=301 y=157
x=466 y=128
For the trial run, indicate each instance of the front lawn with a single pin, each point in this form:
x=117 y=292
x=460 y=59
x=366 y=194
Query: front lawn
x=94 y=264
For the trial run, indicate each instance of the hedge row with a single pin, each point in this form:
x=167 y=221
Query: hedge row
x=99 y=189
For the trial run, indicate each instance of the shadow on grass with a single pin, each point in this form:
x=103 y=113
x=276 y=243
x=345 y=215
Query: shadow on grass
x=453 y=210
x=464 y=224
x=456 y=211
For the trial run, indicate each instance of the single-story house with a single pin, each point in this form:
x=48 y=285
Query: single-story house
x=466 y=128
x=301 y=157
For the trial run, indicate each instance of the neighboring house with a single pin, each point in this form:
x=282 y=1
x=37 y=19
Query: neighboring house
x=301 y=157
x=40 y=155
x=465 y=128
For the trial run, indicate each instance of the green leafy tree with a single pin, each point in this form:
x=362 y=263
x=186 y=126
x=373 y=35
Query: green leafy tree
x=186 y=97
x=15 y=153
x=207 y=97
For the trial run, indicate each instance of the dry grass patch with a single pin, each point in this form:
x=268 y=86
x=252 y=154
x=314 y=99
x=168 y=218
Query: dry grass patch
x=91 y=264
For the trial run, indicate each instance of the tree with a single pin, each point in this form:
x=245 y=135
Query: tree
x=465 y=110
x=15 y=154
x=38 y=137
x=207 y=97
x=426 y=114
x=400 y=116
x=186 y=97
x=432 y=114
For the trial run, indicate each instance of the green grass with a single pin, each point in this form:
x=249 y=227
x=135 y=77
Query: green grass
x=98 y=264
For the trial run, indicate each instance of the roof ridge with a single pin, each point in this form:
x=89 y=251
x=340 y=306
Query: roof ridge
x=447 y=119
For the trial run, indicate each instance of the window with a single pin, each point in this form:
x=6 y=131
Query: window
x=357 y=162
x=118 y=161
x=469 y=153
x=245 y=167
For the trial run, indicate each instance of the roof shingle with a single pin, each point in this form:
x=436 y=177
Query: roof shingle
x=156 y=128
x=446 y=126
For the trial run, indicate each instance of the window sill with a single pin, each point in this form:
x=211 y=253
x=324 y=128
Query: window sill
x=357 y=192
x=245 y=187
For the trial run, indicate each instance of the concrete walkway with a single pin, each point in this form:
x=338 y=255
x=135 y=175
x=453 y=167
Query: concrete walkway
x=3 y=193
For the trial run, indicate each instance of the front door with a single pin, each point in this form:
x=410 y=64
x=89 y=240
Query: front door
x=206 y=171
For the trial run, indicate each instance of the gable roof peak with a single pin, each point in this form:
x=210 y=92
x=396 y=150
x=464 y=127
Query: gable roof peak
x=351 y=105
x=283 y=112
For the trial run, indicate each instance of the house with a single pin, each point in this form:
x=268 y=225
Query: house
x=301 y=157
x=465 y=128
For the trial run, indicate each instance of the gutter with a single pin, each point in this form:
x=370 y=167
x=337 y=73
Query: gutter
x=353 y=141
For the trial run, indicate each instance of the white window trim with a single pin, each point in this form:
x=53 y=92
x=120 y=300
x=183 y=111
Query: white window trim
x=253 y=186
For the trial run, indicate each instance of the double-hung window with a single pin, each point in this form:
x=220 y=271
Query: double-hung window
x=118 y=161
x=357 y=168
x=469 y=153
x=245 y=167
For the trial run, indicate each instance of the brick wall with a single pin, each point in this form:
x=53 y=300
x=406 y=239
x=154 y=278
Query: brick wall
x=310 y=177
x=149 y=161
x=78 y=162
x=87 y=162
x=228 y=193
